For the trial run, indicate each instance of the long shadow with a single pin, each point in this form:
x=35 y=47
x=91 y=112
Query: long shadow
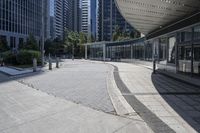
x=7 y=78
x=182 y=97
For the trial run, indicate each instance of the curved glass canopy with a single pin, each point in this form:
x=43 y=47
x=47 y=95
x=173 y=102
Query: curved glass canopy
x=149 y=15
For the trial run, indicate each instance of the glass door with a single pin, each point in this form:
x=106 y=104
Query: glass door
x=185 y=55
x=196 y=64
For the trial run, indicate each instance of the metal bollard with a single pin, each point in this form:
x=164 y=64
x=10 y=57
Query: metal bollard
x=50 y=64
x=34 y=65
x=199 y=68
x=154 y=66
x=57 y=62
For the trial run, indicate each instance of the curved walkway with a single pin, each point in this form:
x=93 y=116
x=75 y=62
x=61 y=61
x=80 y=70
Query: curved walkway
x=159 y=101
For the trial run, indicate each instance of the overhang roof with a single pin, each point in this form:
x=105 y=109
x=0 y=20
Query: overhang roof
x=149 y=15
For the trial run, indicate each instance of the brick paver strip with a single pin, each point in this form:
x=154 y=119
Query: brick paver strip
x=149 y=117
x=165 y=93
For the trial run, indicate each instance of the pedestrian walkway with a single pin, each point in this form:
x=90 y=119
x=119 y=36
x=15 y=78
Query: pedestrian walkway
x=26 y=110
x=165 y=104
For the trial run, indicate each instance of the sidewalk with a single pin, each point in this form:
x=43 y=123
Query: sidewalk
x=26 y=110
x=163 y=103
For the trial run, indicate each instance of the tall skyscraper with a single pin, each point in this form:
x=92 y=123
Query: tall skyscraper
x=46 y=19
x=108 y=18
x=88 y=17
x=65 y=17
x=18 y=19
x=85 y=16
x=76 y=16
x=93 y=19
x=59 y=18
x=52 y=19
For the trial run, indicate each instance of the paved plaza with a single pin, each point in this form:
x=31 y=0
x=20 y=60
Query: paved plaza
x=89 y=96
x=26 y=110
x=81 y=82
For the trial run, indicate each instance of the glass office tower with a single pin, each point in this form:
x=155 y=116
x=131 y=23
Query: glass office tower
x=108 y=18
x=19 y=18
x=65 y=17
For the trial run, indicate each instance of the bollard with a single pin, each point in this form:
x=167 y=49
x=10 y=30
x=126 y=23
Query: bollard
x=199 y=68
x=50 y=64
x=154 y=66
x=57 y=62
x=34 y=65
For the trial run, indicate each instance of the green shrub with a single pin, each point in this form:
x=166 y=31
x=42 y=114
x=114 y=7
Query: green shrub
x=25 y=57
x=3 y=45
x=9 y=57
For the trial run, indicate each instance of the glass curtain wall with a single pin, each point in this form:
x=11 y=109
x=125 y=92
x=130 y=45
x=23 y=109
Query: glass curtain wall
x=96 y=52
x=185 y=50
x=196 y=46
x=189 y=50
x=175 y=52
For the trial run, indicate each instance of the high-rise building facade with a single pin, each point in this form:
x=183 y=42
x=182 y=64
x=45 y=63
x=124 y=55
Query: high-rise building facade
x=52 y=19
x=93 y=19
x=58 y=20
x=65 y=17
x=88 y=17
x=108 y=18
x=20 y=18
x=76 y=16
x=85 y=17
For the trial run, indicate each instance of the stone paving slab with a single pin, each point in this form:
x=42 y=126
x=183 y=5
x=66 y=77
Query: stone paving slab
x=26 y=110
x=78 y=81
x=160 y=94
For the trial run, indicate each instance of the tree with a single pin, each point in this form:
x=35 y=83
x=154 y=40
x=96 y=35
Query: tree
x=73 y=39
x=3 y=45
x=31 y=43
x=117 y=33
x=91 y=39
x=82 y=38
x=48 y=47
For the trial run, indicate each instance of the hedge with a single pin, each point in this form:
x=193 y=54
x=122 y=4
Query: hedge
x=9 y=57
x=23 y=57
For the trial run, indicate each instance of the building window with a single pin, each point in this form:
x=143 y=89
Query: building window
x=197 y=53
x=185 y=52
x=197 y=33
x=12 y=42
x=186 y=35
x=163 y=49
x=171 y=50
